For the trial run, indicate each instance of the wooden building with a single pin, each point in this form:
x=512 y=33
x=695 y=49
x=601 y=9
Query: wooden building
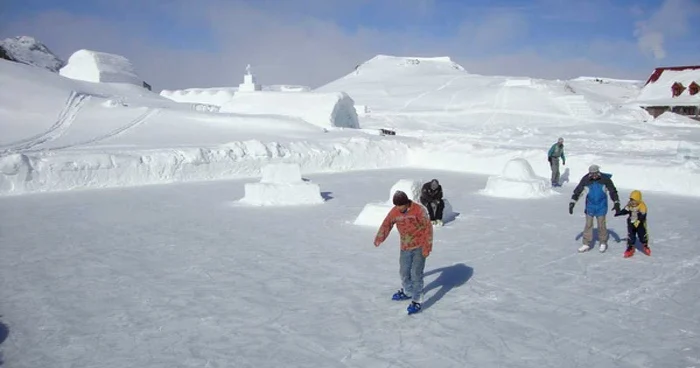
x=675 y=89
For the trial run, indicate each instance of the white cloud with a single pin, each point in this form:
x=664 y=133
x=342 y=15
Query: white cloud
x=671 y=20
x=289 y=45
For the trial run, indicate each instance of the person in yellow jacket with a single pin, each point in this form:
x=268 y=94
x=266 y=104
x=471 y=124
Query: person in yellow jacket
x=636 y=210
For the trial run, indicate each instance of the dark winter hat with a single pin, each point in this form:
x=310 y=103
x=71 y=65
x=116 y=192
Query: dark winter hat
x=400 y=198
x=434 y=184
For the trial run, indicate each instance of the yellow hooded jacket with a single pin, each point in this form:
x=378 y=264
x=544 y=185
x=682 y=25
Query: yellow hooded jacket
x=637 y=213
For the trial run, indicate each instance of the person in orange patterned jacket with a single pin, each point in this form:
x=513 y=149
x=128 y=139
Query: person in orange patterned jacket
x=416 y=232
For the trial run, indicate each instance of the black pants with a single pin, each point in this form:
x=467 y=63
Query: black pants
x=637 y=232
x=435 y=208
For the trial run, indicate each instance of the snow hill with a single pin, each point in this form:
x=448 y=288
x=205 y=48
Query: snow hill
x=443 y=116
x=28 y=50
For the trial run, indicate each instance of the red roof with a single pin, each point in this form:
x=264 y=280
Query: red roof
x=658 y=71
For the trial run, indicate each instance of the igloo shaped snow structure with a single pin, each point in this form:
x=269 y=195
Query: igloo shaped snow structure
x=374 y=213
x=518 y=180
x=282 y=185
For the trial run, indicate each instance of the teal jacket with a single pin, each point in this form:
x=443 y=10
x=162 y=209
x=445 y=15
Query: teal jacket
x=554 y=151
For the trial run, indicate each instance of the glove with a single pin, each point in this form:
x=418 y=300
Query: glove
x=549 y=159
x=636 y=223
x=616 y=207
x=563 y=162
x=571 y=208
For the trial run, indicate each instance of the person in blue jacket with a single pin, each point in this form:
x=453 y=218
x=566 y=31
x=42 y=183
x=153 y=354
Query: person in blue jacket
x=597 y=186
x=555 y=153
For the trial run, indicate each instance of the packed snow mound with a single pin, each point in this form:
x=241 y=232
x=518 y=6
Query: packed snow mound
x=28 y=50
x=606 y=90
x=208 y=96
x=391 y=65
x=447 y=98
x=325 y=110
x=373 y=214
x=282 y=185
x=100 y=67
x=518 y=180
x=219 y=96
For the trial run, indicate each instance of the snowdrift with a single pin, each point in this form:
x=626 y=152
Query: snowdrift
x=373 y=214
x=518 y=180
x=100 y=67
x=282 y=185
x=325 y=110
x=84 y=169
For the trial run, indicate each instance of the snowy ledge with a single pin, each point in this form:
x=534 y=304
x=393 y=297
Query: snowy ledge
x=85 y=169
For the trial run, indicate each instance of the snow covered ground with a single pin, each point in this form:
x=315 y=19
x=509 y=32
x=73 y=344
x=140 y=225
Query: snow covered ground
x=74 y=135
x=179 y=276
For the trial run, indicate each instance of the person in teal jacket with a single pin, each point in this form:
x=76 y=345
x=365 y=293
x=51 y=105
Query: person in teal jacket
x=555 y=153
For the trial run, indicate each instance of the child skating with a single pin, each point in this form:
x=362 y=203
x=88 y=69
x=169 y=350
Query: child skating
x=636 y=210
x=416 y=233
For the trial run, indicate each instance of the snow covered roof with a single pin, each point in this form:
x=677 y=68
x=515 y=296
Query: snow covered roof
x=94 y=66
x=659 y=92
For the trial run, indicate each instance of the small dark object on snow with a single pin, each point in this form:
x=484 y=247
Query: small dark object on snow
x=387 y=132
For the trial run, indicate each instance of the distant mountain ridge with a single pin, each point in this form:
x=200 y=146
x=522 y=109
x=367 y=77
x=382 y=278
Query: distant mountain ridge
x=28 y=50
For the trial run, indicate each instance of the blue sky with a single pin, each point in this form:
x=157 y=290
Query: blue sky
x=182 y=43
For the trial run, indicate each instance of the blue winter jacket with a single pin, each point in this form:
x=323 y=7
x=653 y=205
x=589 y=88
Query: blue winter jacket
x=596 y=196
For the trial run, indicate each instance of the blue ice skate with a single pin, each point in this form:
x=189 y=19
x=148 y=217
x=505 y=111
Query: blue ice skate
x=400 y=295
x=413 y=308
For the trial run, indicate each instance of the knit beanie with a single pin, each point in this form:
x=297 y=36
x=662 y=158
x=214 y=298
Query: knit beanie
x=400 y=198
x=593 y=169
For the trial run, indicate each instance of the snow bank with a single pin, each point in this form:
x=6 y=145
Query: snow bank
x=207 y=96
x=282 y=185
x=325 y=110
x=84 y=169
x=518 y=180
x=100 y=67
x=373 y=214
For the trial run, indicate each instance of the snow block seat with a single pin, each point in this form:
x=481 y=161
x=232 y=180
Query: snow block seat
x=100 y=67
x=374 y=213
x=326 y=110
x=282 y=185
x=518 y=180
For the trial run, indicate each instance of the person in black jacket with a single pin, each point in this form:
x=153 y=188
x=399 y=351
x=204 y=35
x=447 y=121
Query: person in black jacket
x=431 y=198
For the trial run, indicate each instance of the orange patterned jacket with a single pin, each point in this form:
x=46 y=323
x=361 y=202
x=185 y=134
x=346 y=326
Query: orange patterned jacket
x=414 y=227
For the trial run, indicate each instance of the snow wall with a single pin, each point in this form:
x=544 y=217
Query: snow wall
x=207 y=96
x=325 y=110
x=94 y=66
x=69 y=170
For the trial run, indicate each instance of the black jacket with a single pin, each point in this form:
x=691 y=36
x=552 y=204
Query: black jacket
x=427 y=194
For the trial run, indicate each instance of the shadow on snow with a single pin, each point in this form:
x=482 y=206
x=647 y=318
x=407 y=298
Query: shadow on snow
x=450 y=277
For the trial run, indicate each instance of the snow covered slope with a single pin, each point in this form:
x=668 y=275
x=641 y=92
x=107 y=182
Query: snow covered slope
x=58 y=134
x=218 y=96
x=28 y=50
x=478 y=123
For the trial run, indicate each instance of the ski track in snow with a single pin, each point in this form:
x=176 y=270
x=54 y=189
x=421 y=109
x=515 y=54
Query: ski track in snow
x=142 y=118
x=74 y=104
x=174 y=276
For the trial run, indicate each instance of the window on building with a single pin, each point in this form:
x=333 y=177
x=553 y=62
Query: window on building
x=677 y=88
x=693 y=88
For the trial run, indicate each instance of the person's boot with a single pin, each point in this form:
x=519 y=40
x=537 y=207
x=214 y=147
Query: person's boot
x=629 y=252
x=646 y=249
